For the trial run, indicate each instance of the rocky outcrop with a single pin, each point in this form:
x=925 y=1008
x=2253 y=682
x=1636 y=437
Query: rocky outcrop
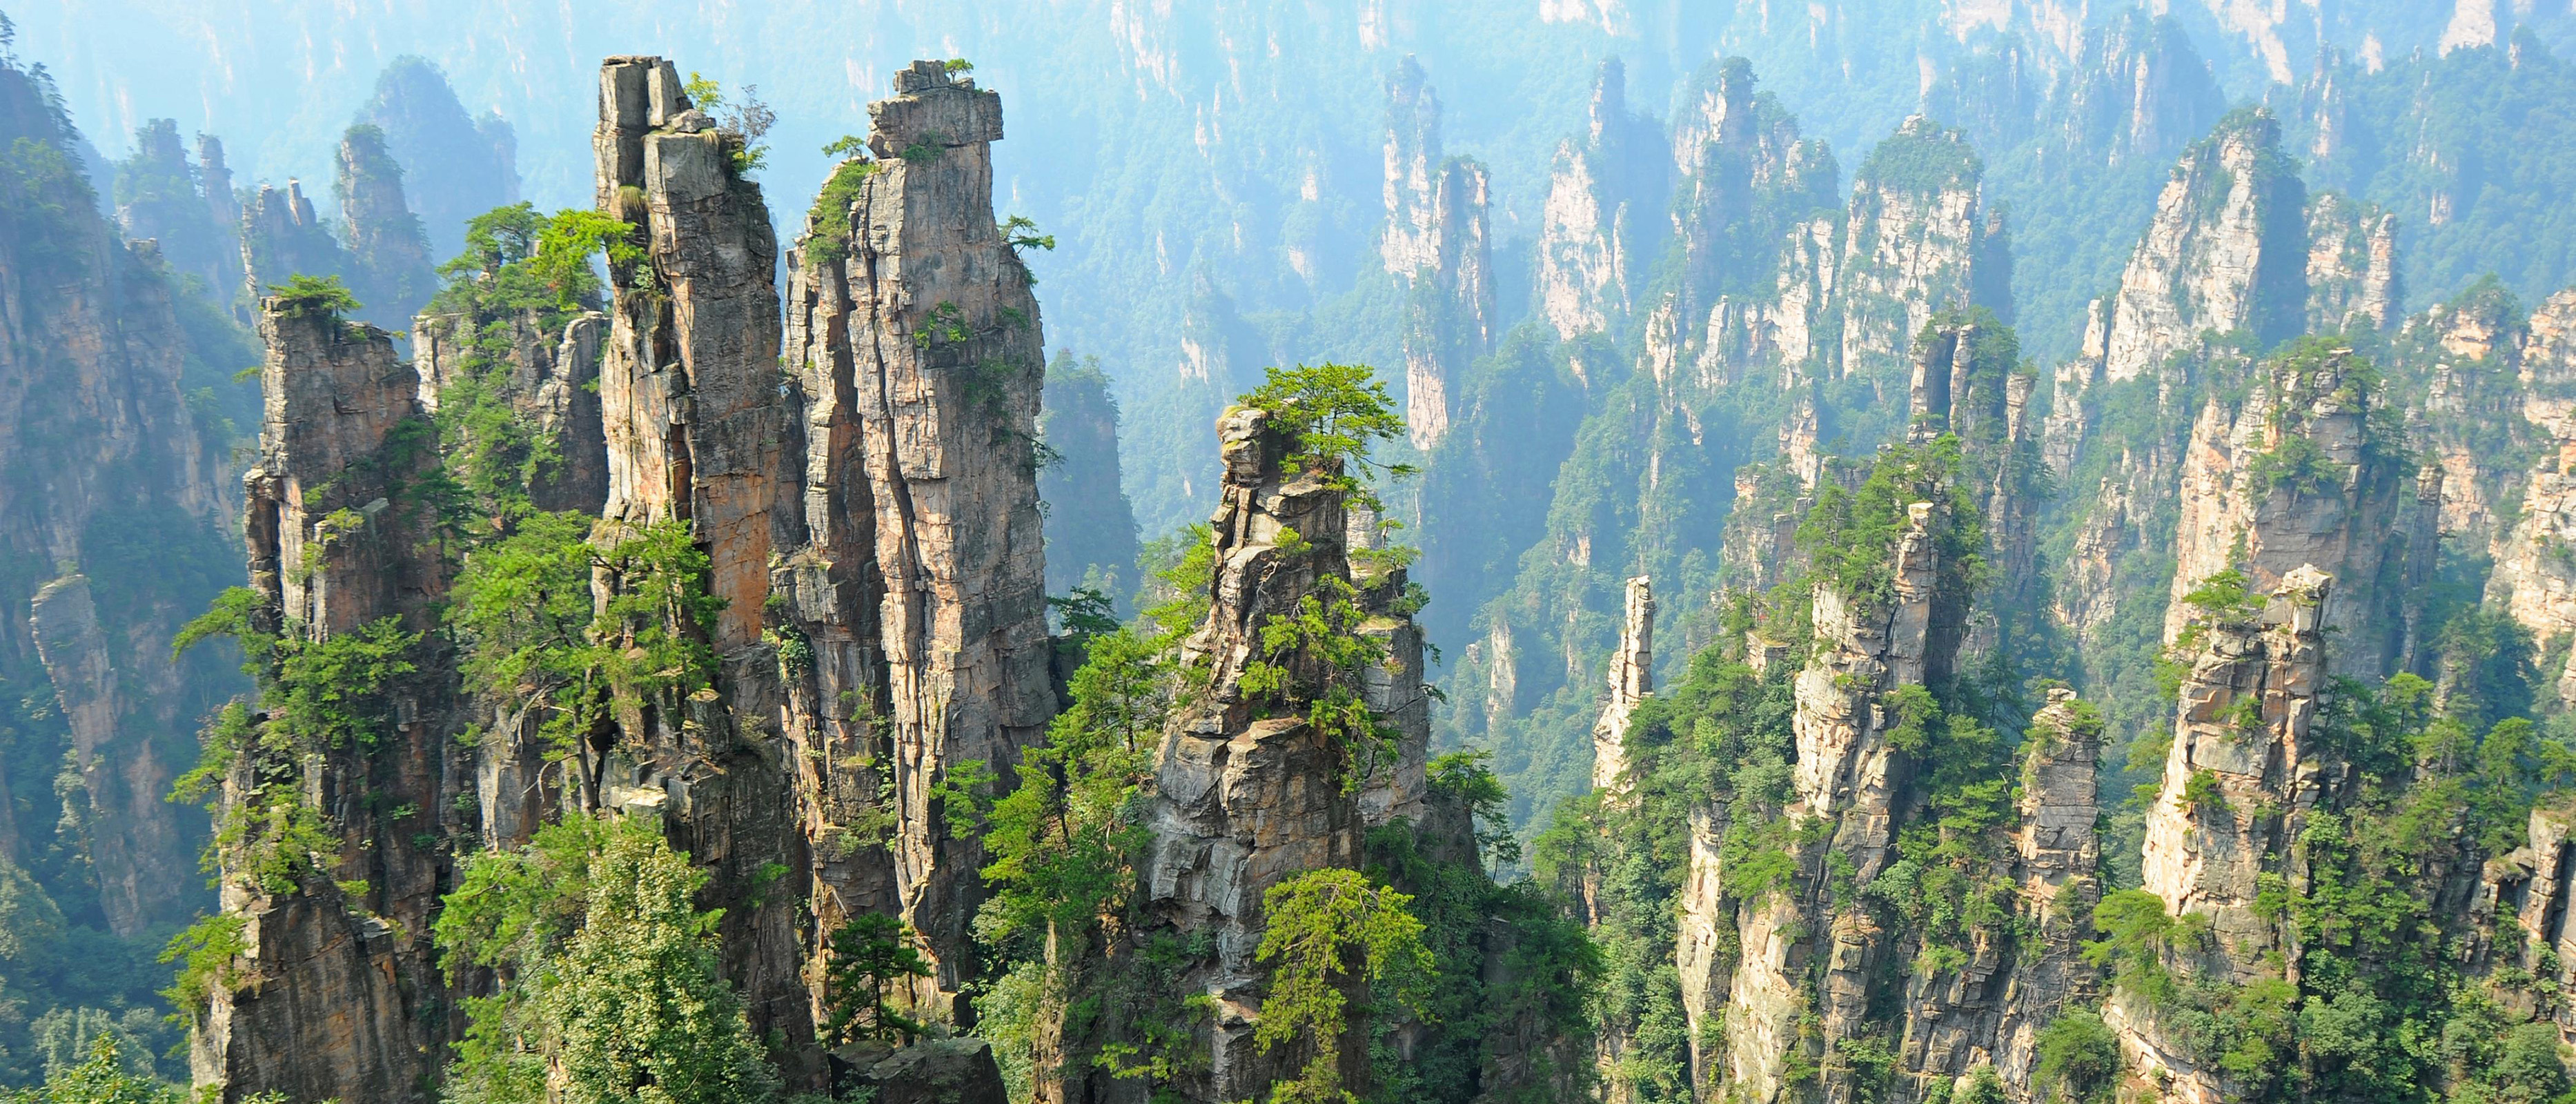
x=1632 y=677
x=918 y=575
x=2534 y=580
x=389 y=263
x=698 y=431
x=2526 y=892
x=162 y=196
x=688 y=390
x=548 y=379
x=2226 y=251
x=282 y=237
x=2304 y=475
x=2243 y=775
x=115 y=522
x=1437 y=244
x=454 y=166
x=2058 y=862
x=336 y=991
x=1597 y=208
x=2352 y=265
x=111 y=697
x=1247 y=791
x=2135 y=89
x=1913 y=242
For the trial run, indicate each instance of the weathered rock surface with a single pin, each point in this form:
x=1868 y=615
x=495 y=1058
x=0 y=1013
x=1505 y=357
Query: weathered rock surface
x=115 y=528
x=2534 y=580
x=1436 y=243
x=919 y=574
x=1913 y=242
x=939 y=1071
x=389 y=263
x=2243 y=775
x=1632 y=677
x=1243 y=801
x=1596 y=208
x=281 y=237
x=551 y=386
x=2226 y=251
x=2058 y=863
x=698 y=431
x=336 y=993
x=2349 y=510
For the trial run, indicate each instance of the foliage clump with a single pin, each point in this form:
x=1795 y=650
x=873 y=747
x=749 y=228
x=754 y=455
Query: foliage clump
x=303 y=296
x=1325 y=930
x=1850 y=538
x=610 y=988
x=827 y=239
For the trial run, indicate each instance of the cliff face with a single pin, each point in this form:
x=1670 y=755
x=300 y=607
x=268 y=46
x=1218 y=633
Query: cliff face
x=456 y=166
x=870 y=536
x=1436 y=243
x=1807 y=970
x=2533 y=582
x=2243 y=776
x=920 y=354
x=1632 y=677
x=1914 y=240
x=114 y=528
x=2226 y=251
x=281 y=237
x=2305 y=475
x=1597 y=210
x=548 y=379
x=335 y=991
x=1244 y=799
x=698 y=430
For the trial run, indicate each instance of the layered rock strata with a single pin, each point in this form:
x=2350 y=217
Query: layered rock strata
x=1244 y=796
x=336 y=991
x=918 y=570
x=2244 y=772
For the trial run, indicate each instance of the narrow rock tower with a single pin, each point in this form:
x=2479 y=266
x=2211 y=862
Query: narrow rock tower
x=335 y=991
x=1632 y=677
x=697 y=429
x=920 y=574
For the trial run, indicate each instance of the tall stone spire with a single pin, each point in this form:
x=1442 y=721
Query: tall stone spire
x=1632 y=678
x=920 y=578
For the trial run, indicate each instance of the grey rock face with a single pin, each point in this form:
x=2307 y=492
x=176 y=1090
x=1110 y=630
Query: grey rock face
x=2204 y=857
x=337 y=991
x=920 y=573
x=939 y=1071
x=551 y=385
